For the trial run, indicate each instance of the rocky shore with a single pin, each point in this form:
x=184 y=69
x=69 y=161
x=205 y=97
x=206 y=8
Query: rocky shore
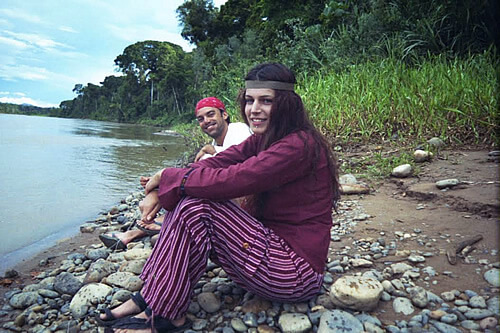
x=379 y=278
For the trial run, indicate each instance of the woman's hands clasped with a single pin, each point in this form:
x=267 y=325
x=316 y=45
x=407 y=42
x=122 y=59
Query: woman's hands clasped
x=150 y=205
x=153 y=182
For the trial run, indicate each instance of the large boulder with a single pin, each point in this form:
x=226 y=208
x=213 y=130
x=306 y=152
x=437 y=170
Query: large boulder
x=356 y=292
x=94 y=293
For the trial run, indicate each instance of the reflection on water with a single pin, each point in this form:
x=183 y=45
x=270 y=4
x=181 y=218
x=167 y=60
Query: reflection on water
x=57 y=173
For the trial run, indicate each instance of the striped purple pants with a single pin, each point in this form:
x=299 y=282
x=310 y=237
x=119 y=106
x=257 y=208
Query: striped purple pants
x=252 y=255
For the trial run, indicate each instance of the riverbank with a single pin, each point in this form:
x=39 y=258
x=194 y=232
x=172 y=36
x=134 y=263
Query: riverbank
x=398 y=234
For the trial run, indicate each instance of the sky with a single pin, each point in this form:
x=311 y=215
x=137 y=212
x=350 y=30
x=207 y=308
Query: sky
x=49 y=46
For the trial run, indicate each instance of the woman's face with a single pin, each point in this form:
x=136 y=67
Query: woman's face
x=258 y=104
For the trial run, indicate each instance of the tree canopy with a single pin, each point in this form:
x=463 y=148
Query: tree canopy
x=159 y=82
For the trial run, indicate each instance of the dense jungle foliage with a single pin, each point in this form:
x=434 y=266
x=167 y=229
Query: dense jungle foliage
x=367 y=69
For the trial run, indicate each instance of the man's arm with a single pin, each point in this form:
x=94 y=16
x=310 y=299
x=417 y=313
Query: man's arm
x=207 y=149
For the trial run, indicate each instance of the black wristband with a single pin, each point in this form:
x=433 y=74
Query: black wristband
x=183 y=181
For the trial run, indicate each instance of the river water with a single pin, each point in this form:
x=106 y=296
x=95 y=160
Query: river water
x=55 y=174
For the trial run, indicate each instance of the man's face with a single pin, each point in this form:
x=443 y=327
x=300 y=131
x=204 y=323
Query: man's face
x=212 y=121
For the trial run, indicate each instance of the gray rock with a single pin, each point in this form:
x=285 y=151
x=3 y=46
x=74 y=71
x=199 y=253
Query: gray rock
x=400 y=268
x=48 y=293
x=403 y=305
x=429 y=271
x=347 y=179
x=386 y=297
x=122 y=207
x=477 y=314
x=294 y=323
x=68 y=326
x=199 y=324
x=488 y=323
x=209 y=302
x=449 y=318
x=447 y=183
x=356 y=293
x=416 y=258
x=418 y=296
x=120 y=296
x=250 y=319
x=492 y=276
x=402 y=171
x=94 y=254
x=477 y=302
x=94 y=293
x=360 y=263
x=339 y=321
x=436 y=142
x=448 y=296
x=421 y=155
x=434 y=298
x=137 y=254
x=133 y=266
x=364 y=318
x=23 y=300
x=99 y=270
x=125 y=280
x=67 y=283
x=194 y=308
x=387 y=285
x=238 y=325
x=445 y=328
x=372 y=328
x=88 y=228
x=494 y=304
x=470 y=325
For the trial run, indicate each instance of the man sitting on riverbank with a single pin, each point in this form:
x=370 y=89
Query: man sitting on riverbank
x=214 y=121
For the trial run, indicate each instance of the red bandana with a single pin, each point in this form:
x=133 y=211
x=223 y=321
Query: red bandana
x=211 y=102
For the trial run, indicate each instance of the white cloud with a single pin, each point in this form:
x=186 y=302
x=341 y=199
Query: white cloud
x=132 y=34
x=96 y=76
x=35 y=40
x=13 y=43
x=218 y=3
x=23 y=72
x=20 y=14
x=67 y=29
x=27 y=100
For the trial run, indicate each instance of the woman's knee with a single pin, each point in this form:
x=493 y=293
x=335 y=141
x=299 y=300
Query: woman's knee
x=190 y=210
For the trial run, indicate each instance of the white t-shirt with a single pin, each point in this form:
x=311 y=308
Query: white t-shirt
x=236 y=134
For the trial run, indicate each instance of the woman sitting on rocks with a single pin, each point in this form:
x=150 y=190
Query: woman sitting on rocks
x=275 y=245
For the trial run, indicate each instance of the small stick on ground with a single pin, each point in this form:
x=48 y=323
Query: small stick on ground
x=451 y=253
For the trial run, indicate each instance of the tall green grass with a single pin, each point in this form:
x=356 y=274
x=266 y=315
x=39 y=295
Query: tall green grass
x=453 y=99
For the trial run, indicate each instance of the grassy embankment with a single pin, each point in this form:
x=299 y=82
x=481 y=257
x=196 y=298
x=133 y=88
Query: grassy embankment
x=395 y=104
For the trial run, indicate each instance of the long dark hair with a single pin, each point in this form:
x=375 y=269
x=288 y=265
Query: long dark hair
x=288 y=115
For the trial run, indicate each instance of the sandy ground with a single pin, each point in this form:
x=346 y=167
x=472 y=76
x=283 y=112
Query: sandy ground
x=445 y=218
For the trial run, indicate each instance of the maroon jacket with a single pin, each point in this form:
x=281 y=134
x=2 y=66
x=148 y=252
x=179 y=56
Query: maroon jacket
x=298 y=206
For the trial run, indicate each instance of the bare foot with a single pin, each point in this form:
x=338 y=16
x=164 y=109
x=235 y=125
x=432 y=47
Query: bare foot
x=128 y=236
x=154 y=226
x=125 y=309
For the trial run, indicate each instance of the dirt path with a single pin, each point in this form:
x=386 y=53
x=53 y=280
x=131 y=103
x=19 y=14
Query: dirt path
x=437 y=220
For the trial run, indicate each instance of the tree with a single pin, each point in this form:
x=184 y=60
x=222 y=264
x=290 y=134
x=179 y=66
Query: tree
x=196 y=17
